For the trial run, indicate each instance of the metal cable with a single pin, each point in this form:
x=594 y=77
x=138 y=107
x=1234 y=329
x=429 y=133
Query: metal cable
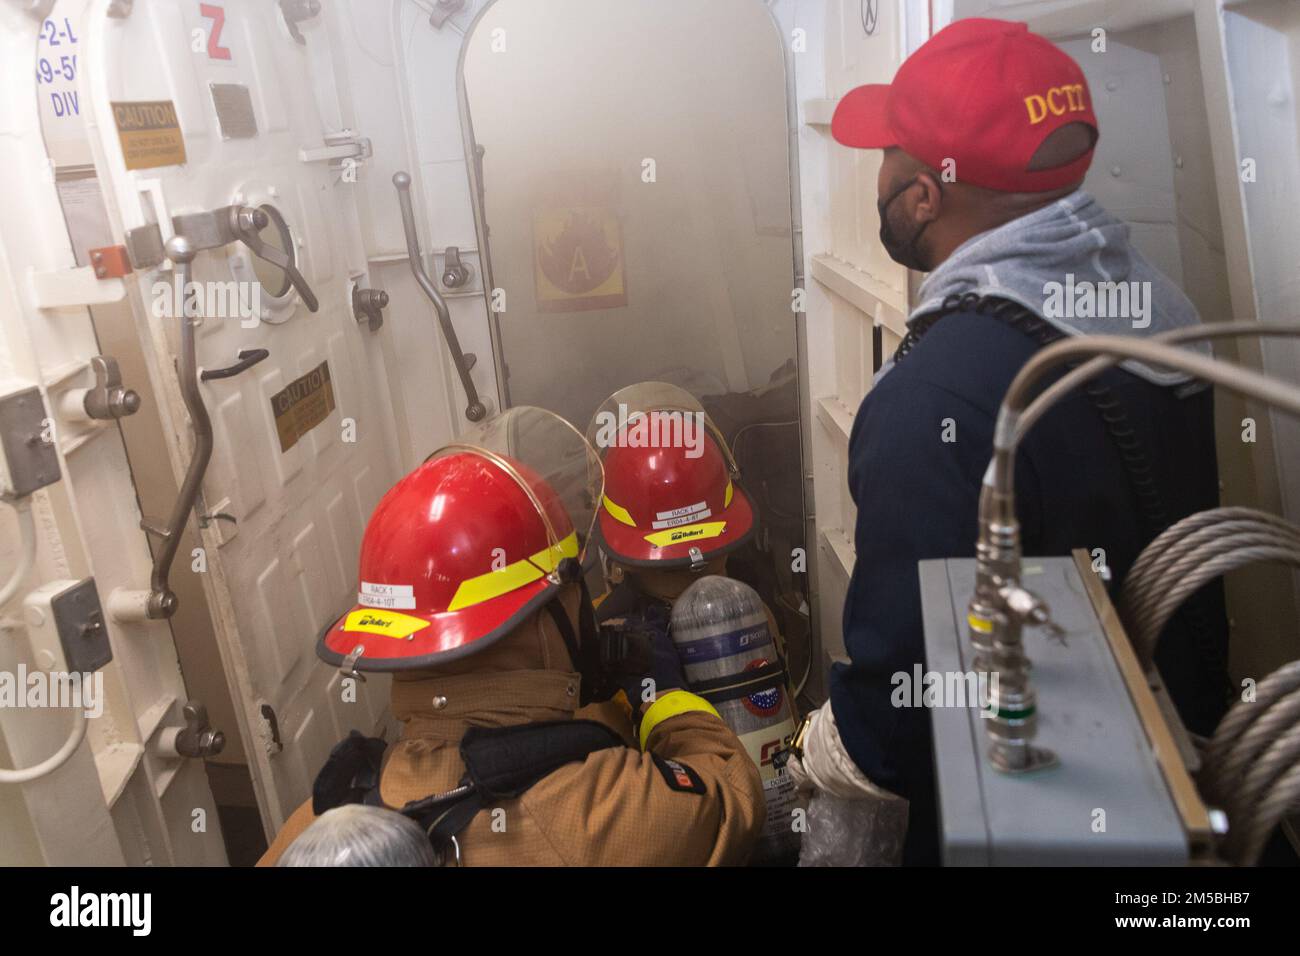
x=1207 y=542
x=1282 y=754
x=1183 y=547
x=1193 y=570
x=1274 y=720
x=1204 y=564
x=1243 y=714
x=1149 y=568
x=1095 y=366
x=1281 y=799
x=997 y=504
x=1187 y=560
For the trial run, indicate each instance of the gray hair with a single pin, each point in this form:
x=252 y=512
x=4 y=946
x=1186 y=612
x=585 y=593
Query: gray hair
x=359 y=835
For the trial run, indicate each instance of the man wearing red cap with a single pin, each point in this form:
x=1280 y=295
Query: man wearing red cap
x=987 y=132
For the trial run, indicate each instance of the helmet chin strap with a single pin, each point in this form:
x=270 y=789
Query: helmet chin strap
x=669 y=583
x=583 y=645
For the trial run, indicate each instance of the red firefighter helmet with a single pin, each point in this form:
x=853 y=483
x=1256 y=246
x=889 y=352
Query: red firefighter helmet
x=465 y=547
x=670 y=482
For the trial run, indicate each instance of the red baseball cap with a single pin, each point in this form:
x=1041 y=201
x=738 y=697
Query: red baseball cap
x=982 y=93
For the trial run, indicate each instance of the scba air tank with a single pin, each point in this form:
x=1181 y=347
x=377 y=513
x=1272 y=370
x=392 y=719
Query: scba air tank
x=724 y=639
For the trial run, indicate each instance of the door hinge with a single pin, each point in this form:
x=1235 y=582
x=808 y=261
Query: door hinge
x=144 y=246
x=295 y=12
x=36 y=9
x=444 y=10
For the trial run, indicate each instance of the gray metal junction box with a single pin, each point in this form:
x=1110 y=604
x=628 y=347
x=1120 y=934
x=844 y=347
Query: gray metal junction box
x=1120 y=794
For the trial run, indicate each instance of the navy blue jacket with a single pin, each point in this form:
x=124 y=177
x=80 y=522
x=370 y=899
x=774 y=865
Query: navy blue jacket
x=917 y=498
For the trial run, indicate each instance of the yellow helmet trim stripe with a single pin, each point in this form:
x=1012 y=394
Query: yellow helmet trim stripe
x=484 y=587
x=726 y=501
x=689 y=532
x=618 y=512
x=549 y=559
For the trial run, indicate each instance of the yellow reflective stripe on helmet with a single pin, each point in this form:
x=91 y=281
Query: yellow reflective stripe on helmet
x=548 y=559
x=618 y=512
x=671 y=704
x=493 y=584
x=689 y=532
x=484 y=587
x=726 y=500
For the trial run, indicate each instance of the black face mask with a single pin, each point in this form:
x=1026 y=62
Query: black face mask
x=902 y=251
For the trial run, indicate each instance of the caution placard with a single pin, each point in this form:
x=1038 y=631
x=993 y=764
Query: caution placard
x=150 y=134
x=302 y=405
x=578 y=258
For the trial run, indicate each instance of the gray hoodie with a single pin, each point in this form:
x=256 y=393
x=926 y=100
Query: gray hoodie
x=1072 y=264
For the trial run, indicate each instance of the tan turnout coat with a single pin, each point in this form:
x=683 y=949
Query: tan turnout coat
x=615 y=808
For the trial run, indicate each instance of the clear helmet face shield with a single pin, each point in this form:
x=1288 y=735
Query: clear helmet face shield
x=484 y=533
x=551 y=462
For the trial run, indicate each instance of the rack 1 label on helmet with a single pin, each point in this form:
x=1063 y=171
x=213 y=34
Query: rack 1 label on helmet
x=395 y=597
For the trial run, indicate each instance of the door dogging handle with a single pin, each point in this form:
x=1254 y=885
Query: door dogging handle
x=247 y=359
x=368 y=306
x=220 y=227
x=455 y=272
x=197 y=739
x=107 y=401
x=247 y=224
x=475 y=410
x=162 y=600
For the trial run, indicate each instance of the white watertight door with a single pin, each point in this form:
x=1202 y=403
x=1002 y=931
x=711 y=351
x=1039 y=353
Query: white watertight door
x=196 y=107
x=110 y=790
